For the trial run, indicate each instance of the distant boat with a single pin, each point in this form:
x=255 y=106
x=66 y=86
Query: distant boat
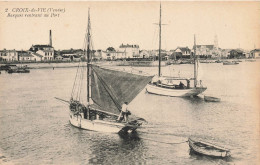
x=6 y=67
x=173 y=62
x=230 y=63
x=174 y=86
x=208 y=149
x=211 y=99
x=16 y=69
x=218 y=61
x=98 y=108
x=186 y=62
x=206 y=61
x=250 y=60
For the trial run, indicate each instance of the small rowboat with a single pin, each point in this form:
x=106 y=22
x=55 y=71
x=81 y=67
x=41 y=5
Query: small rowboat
x=208 y=149
x=211 y=99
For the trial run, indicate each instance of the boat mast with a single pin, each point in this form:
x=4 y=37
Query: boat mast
x=88 y=59
x=159 y=72
x=195 y=63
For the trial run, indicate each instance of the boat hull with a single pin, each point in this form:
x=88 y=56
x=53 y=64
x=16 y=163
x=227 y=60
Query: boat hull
x=150 y=88
x=202 y=151
x=99 y=125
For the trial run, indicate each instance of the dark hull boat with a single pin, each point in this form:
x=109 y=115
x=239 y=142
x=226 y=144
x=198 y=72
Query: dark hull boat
x=211 y=99
x=208 y=149
x=18 y=70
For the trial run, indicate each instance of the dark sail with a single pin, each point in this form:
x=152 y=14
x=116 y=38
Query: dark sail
x=110 y=88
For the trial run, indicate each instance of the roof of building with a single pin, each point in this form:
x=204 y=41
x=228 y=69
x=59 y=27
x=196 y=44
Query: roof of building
x=207 y=46
x=25 y=55
x=236 y=50
x=128 y=46
x=22 y=51
x=46 y=50
x=183 y=49
x=36 y=54
x=42 y=46
x=70 y=51
x=4 y=50
x=255 y=50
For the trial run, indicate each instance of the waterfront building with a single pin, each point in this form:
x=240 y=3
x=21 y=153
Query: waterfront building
x=9 y=55
x=25 y=56
x=97 y=55
x=71 y=51
x=144 y=54
x=47 y=51
x=71 y=57
x=130 y=51
x=58 y=58
x=224 y=53
x=236 y=53
x=48 y=54
x=255 y=53
x=113 y=55
x=183 y=52
x=211 y=50
x=36 y=57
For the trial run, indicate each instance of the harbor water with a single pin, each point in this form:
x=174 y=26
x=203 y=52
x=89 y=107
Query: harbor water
x=34 y=126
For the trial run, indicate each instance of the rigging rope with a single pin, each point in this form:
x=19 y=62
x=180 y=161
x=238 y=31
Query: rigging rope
x=80 y=83
x=73 y=88
x=164 y=142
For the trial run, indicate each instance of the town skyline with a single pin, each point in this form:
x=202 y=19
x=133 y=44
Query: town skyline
x=235 y=24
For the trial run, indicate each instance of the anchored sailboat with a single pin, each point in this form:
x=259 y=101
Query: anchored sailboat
x=167 y=86
x=100 y=109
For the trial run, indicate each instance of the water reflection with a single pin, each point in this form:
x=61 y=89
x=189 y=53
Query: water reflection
x=117 y=149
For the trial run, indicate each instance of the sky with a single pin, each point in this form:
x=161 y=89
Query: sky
x=236 y=24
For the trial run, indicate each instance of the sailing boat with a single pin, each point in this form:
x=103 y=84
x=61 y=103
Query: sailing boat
x=167 y=86
x=106 y=91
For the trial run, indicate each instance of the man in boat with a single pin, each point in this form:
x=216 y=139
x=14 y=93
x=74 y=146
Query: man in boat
x=188 y=84
x=181 y=85
x=124 y=113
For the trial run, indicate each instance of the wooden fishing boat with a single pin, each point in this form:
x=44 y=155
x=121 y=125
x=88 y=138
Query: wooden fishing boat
x=175 y=86
x=208 y=149
x=98 y=95
x=211 y=99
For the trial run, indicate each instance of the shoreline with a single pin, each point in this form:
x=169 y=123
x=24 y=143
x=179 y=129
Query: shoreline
x=45 y=65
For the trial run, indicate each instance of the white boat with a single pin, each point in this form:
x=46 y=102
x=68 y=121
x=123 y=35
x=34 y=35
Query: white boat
x=208 y=149
x=98 y=108
x=166 y=87
x=174 y=86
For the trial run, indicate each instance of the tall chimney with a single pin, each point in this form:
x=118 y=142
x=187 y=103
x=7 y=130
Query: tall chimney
x=50 y=39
